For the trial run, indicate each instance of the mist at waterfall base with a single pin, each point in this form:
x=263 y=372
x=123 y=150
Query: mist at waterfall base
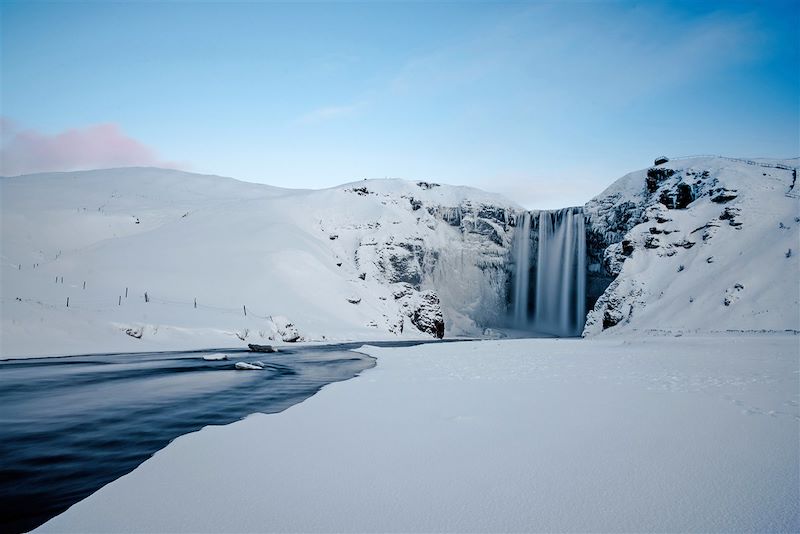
x=549 y=291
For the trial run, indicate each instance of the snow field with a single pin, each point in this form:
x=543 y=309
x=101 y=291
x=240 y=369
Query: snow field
x=616 y=434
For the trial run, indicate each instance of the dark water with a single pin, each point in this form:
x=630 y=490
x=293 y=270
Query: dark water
x=70 y=425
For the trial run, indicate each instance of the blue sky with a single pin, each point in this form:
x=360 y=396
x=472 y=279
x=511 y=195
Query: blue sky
x=545 y=102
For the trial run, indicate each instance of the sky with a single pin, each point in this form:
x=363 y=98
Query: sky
x=545 y=102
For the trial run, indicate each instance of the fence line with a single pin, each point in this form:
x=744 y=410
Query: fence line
x=90 y=304
x=741 y=160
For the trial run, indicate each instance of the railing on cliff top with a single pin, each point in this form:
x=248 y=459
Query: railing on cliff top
x=790 y=193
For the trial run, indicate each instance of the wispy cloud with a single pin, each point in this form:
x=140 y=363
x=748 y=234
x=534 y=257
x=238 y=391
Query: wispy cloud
x=602 y=53
x=328 y=113
x=26 y=151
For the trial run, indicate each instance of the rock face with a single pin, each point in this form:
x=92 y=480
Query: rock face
x=726 y=222
x=425 y=314
x=436 y=256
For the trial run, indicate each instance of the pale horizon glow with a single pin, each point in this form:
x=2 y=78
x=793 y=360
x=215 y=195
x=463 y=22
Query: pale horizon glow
x=546 y=103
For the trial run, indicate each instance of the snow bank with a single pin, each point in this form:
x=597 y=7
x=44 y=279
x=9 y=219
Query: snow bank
x=651 y=434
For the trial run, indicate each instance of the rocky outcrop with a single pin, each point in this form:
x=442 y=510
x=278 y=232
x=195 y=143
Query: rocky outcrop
x=448 y=246
x=646 y=231
x=426 y=314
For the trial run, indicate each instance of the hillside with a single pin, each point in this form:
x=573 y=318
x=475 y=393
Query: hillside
x=699 y=244
x=352 y=262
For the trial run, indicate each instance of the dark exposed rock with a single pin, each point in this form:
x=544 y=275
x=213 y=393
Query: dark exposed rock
x=651 y=242
x=627 y=247
x=427 y=185
x=660 y=159
x=260 y=348
x=721 y=195
x=415 y=204
x=427 y=315
x=611 y=318
x=684 y=196
x=493 y=213
x=655 y=176
x=729 y=214
x=678 y=198
x=685 y=244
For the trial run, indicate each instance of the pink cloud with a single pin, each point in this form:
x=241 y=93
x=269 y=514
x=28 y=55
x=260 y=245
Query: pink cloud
x=93 y=147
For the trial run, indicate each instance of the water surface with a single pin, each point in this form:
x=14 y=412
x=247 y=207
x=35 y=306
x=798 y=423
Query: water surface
x=69 y=425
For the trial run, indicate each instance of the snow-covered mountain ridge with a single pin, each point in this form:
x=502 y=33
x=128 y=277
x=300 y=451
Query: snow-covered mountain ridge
x=705 y=243
x=223 y=261
x=697 y=244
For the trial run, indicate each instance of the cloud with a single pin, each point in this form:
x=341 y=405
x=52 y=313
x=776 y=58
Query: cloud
x=26 y=151
x=601 y=54
x=328 y=113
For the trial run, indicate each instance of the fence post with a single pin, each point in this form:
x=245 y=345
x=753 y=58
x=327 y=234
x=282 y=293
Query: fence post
x=126 y=292
x=146 y=298
x=195 y=303
x=67 y=302
x=245 y=310
x=119 y=302
x=84 y=284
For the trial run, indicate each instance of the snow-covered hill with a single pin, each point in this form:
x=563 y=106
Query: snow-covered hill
x=704 y=243
x=366 y=260
x=695 y=244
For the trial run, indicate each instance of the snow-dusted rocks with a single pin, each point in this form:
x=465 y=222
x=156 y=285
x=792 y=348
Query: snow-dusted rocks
x=285 y=330
x=426 y=313
x=685 y=239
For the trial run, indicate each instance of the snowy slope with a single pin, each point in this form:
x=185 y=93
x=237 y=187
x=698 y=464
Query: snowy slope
x=696 y=244
x=360 y=261
x=700 y=244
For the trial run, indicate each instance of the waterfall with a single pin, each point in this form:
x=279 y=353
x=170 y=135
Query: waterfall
x=560 y=283
x=522 y=247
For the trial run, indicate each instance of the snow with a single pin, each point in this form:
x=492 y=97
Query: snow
x=654 y=433
x=703 y=270
x=244 y=366
x=223 y=263
x=215 y=357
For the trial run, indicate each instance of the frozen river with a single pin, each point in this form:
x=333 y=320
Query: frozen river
x=70 y=425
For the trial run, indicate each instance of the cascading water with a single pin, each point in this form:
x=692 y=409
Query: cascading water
x=522 y=248
x=560 y=290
